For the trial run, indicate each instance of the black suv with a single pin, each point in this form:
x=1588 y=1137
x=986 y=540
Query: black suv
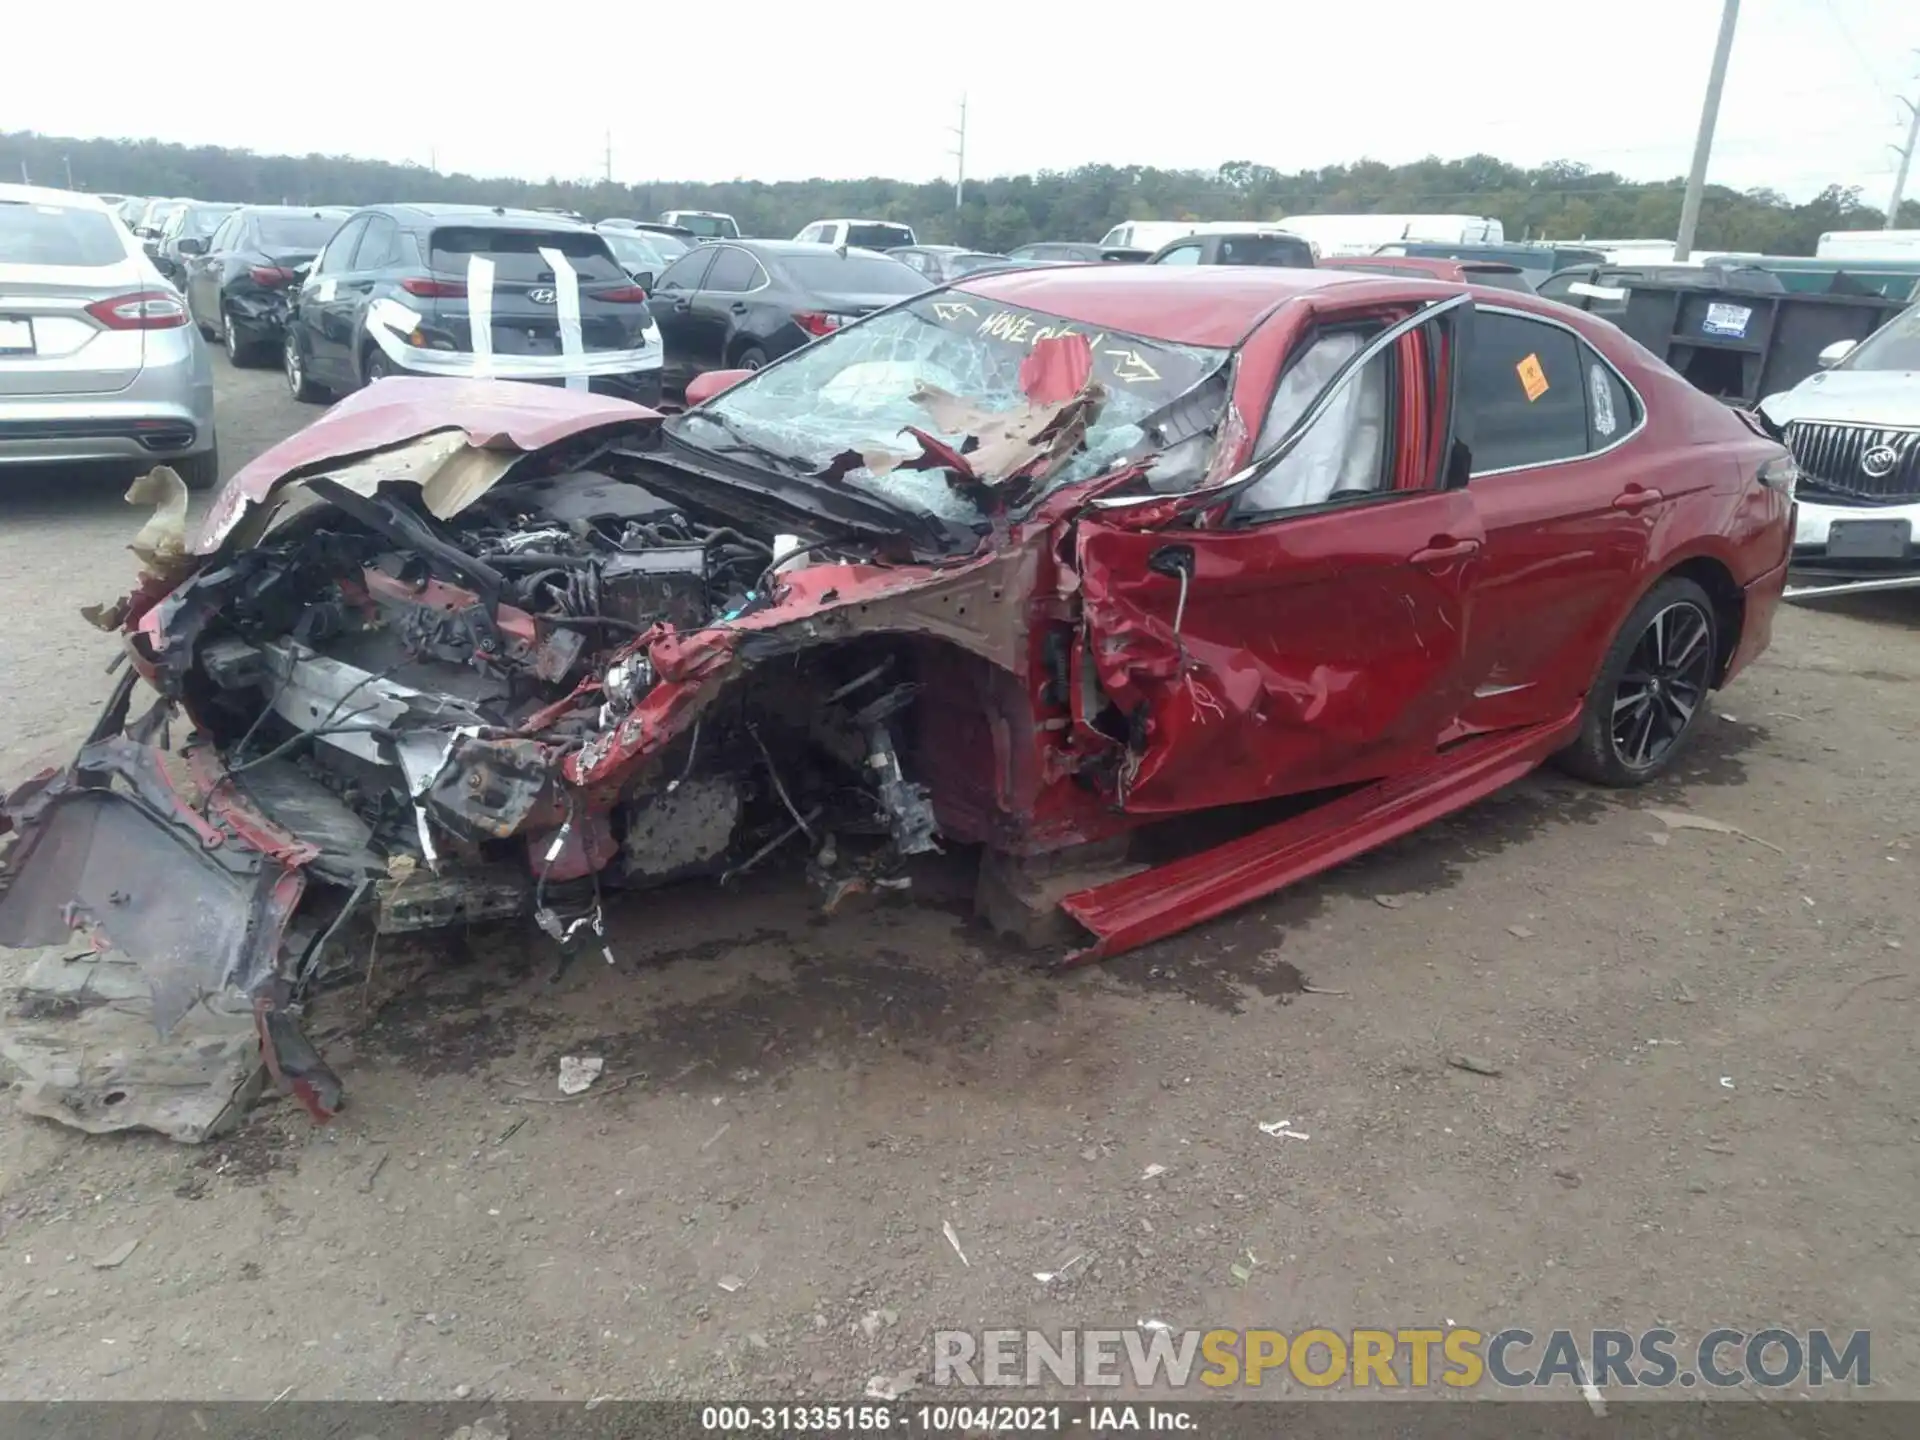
x=396 y=290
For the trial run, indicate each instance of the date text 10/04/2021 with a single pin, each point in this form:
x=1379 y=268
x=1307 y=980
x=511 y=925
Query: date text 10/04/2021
x=944 y=1419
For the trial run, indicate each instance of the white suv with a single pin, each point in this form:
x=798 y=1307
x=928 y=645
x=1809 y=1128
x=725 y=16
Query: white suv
x=1854 y=429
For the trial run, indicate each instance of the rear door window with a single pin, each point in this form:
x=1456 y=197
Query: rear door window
x=35 y=234
x=1526 y=389
x=686 y=273
x=338 y=255
x=227 y=237
x=516 y=253
x=380 y=248
x=733 y=271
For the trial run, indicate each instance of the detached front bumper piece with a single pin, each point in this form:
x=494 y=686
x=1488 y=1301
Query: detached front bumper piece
x=111 y=857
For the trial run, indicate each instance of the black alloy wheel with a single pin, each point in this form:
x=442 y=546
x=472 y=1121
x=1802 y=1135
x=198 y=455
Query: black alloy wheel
x=1651 y=689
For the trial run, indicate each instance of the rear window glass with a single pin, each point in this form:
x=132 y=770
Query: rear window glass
x=969 y=264
x=55 y=235
x=878 y=237
x=709 y=225
x=1498 y=279
x=1265 y=250
x=307 y=231
x=856 y=274
x=516 y=253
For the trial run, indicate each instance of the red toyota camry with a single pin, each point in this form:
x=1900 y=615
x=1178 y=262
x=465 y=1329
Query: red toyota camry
x=1027 y=563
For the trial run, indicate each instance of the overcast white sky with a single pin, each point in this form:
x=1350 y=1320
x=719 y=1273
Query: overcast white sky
x=762 y=90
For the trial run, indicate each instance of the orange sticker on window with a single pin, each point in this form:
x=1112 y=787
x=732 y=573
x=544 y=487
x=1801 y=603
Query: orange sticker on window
x=1533 y=379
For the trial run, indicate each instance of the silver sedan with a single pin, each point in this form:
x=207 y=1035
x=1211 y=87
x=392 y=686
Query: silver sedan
x=97 y=359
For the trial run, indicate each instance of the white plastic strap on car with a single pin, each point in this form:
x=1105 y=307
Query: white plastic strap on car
x=566 y=284
x=480 y=314
x=389 y=323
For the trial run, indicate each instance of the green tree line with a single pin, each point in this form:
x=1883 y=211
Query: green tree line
x=1562 y=201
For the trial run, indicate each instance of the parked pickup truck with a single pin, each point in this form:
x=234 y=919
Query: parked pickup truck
x=1241 y=247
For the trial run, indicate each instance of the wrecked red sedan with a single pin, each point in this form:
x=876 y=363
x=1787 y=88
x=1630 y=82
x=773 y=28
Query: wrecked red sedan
x=1027 y=563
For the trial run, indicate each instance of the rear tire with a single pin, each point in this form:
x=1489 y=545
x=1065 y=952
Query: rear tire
x=752 y=358
x=376 y=366
x=242 y=353
x=294 y=367
x=199 y=472
x=1651 y=689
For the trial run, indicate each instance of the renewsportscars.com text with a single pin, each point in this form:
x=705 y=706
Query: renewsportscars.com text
x=1454 y=1357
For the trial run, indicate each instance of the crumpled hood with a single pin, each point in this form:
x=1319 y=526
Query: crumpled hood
x=1850 y=397
x=502 y=415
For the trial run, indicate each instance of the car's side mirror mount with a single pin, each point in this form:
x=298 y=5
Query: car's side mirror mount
x=703 y=388
x=1833 y=354
x=190 y=246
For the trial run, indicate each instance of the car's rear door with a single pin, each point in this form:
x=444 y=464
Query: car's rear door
x=326 y=313
x=207 y=270
x=59 y=268
x=1571 y=505
x=673 y=297
x=1317 y=636
x=723 y=302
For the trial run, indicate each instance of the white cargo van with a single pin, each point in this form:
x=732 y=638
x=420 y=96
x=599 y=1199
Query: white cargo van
x=1868 y=245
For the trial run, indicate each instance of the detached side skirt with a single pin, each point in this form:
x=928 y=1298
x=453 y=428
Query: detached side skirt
x=1154 y=904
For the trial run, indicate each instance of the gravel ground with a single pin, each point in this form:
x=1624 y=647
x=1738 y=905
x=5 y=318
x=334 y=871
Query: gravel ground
x=1705 y=1112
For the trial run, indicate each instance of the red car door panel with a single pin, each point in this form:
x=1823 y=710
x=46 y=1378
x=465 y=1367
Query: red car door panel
x=1572 y=510
x=1311 y=650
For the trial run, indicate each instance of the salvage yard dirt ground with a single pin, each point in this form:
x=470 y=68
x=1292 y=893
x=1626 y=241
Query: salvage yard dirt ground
x=1707 y=1110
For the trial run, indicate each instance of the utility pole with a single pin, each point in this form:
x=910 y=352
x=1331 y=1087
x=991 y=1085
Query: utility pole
x=609 y=157
x=1906 y=160
x=960 y=156
x=1703 y=143
x=67 y=160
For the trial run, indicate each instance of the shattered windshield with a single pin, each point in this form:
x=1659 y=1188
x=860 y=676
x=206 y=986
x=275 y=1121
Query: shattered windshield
x=993 y=386
x=1894 y=346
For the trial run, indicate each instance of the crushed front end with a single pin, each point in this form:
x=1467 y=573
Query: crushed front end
x=441 y=684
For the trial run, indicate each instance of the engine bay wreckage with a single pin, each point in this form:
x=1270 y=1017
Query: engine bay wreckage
x=463 y=651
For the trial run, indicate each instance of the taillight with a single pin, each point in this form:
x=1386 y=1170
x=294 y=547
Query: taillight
x=434 y=289
x=816 y=322
x=142 y=310
x=621 y=295
x=270 y=277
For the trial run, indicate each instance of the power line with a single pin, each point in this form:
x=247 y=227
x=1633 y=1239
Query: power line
x=1859 y=55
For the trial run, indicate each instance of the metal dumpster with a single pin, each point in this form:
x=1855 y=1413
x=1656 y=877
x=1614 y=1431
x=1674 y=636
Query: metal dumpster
x=1741 y=344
